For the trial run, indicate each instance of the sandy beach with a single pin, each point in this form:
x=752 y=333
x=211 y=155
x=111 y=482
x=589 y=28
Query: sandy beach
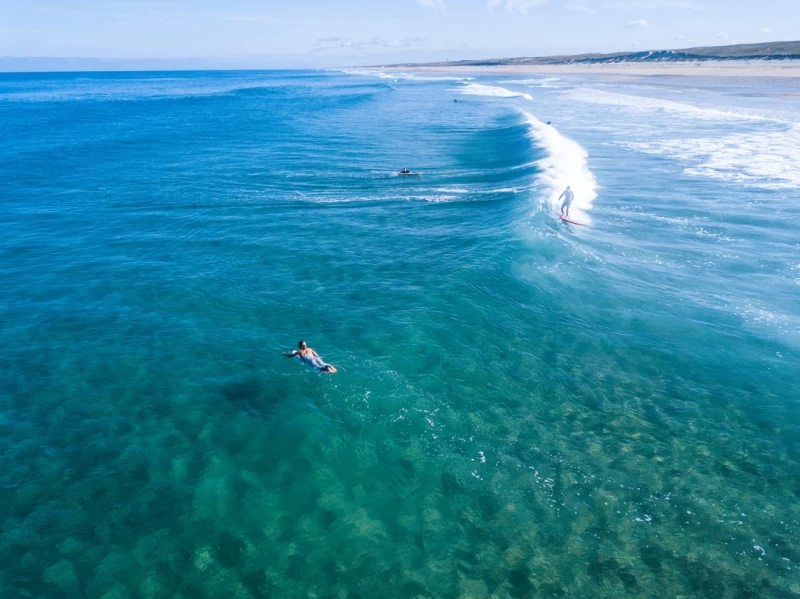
x=784 y=69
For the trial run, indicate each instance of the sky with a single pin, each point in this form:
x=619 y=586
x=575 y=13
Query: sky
x=290 y=33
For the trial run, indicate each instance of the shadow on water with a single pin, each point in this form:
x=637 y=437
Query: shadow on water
x=255 y=396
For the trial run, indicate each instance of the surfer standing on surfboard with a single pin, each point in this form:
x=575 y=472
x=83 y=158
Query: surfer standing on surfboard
x=568 y=197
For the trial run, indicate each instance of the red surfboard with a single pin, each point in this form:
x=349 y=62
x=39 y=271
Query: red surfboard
x=567 y=219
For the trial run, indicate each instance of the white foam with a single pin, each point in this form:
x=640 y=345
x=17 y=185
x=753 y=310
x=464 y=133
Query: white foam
x=451 y=190
x=766 y=159
x=372 y=73
x=415 y=77
x=507 y=190
x=566 y=164
x=546 y=82
x=477 y=89
x=403 y=76
x=643 y=103
x=767 y=155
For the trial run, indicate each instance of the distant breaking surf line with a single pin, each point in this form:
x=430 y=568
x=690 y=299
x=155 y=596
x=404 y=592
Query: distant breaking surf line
x=400 y=76
x=541 y=82
x=477 y=89
x=646 y=103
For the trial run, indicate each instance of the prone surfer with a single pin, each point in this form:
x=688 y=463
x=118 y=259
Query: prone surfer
x=310 y=357
x=568 y=196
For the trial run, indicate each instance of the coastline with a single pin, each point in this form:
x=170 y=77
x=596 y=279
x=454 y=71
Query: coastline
x=760 y=69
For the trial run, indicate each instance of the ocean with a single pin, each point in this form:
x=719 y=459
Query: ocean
x=522 y=408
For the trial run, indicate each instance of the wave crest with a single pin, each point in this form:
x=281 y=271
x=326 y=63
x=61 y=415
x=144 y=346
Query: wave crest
x=477 y=89
x=565 y=163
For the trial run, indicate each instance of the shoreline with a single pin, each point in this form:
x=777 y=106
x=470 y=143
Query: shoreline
x=789 y=69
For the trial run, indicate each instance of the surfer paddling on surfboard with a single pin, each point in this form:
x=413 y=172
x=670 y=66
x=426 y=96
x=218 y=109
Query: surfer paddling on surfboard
x=568 y=196
x=309 y=357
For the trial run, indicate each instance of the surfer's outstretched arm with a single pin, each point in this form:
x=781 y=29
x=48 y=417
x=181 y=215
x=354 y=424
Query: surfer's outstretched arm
x=291 y=354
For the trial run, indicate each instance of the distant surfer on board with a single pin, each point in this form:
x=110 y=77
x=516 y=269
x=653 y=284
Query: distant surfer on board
x=568 y=196
x=309 y=357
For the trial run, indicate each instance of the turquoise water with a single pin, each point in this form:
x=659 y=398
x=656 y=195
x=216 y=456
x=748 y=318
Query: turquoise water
x=522 y=408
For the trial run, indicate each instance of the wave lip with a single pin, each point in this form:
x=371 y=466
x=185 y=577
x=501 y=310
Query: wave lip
x=565 y=163
x=478 y=89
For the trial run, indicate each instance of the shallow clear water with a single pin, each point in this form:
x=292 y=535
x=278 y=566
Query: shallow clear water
x=522 y=408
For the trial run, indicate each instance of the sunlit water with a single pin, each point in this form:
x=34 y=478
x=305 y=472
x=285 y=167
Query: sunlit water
x=523 y=408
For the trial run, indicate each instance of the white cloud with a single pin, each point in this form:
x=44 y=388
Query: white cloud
x=680 y=37
x=512 y=5
x=437 y=6
x=722 y=36
x=765 y=30
x=580 y=6
x=637 y=23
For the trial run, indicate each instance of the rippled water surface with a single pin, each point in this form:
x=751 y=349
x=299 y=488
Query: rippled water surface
x=523 y=408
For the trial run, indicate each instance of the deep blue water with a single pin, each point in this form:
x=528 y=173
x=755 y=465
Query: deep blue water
x=523 y=407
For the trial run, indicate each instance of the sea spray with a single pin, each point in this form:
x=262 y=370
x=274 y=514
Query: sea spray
x=565 y=164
